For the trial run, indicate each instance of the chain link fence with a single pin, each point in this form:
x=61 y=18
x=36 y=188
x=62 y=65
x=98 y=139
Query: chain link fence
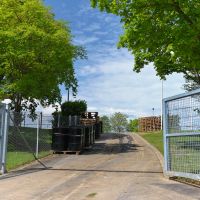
x=182 y=135
x=28 y=138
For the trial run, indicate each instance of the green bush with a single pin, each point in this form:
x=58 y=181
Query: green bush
x=133 y=125
x=68 y=108
x=73 y=107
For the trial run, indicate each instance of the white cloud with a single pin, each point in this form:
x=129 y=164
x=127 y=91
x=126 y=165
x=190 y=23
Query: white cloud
x=100 y=32
x=92 y=27
x=82 y=40
x=114 y=87
x=106 y=80
x=87 y=70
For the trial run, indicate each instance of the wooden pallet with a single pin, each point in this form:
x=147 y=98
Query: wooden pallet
x=147 y=124
x=67 y=152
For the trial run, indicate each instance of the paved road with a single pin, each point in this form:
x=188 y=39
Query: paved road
x=115 y=169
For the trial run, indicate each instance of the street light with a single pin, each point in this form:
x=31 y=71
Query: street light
x=153 y=109
x=161 y=114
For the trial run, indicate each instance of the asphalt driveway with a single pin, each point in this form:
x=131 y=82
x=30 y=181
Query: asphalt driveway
x=116 y=168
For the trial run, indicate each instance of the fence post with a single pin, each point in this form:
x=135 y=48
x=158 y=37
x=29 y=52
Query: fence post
x=41 y=120
x=37 y=137
x=5 y=139
x=165 y=132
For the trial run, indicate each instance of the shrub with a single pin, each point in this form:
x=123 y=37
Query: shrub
x=73 y=107
x=133 y=125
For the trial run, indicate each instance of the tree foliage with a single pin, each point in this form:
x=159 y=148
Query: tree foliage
x=165 y=32
x=191 y=84
x=73 y=107
x=36 y=54
x=106 y=124
x=133 y=125
x=119 y=122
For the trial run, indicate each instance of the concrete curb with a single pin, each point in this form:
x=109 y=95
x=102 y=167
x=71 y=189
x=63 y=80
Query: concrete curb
x=158 y=154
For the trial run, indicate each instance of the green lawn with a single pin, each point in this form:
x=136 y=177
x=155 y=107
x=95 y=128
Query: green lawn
x=184 y=151
x=16 y=159
x=154 y=138
x=18 y=151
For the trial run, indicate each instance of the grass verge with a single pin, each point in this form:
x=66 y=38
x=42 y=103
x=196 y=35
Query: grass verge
x=18 y=158
x=154 y=138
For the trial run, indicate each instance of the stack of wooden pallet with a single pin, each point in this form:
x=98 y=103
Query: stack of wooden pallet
x=147 y=124
x=89 y=118
x=92 y=119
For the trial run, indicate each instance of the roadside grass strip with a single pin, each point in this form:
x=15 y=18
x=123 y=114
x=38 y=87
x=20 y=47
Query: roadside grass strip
x=17 y=159
x=154 y=138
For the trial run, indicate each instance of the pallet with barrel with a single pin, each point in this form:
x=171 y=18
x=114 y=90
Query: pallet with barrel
x=76 y=138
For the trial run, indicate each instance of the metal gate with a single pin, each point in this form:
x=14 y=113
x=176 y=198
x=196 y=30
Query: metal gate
x=181 y=126
x=3 y=135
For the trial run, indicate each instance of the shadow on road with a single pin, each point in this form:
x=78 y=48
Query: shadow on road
x=34 y=170
x=124 y=144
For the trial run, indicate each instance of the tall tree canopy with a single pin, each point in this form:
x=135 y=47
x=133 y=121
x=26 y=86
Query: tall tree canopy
x=36 y=54
x=119 y=122
x=106 y=124
x=165 y=32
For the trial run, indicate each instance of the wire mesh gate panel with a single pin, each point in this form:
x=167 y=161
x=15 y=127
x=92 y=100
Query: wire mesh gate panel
x=181 y=125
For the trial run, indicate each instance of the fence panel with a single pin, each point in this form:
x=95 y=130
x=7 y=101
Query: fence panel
x=28 y=138
x=182 y=135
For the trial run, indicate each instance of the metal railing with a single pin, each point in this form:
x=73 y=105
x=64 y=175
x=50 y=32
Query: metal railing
x=181 y=126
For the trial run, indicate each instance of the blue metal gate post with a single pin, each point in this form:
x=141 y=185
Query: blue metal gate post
x=165 y=136
x=5 y=139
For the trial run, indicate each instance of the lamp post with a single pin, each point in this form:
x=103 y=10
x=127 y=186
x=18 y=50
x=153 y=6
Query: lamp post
x=153 y=109
x=161 y=114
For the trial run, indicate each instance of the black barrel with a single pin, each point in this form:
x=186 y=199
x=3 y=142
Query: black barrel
x=62 y=130
x=59 y=142
x=97 y=130
x=88 y=136
x=60 y=139
x=92 y=135
x=75 y=139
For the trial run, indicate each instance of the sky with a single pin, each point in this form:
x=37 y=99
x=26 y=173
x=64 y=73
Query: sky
x=106 y=79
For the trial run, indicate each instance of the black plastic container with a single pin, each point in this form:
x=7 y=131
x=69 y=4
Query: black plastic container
x=59 y=142
x=97 y=130
x=87 y=136
x=76 y=139
x=62 y=130
x=92 y=136
x=60 y=139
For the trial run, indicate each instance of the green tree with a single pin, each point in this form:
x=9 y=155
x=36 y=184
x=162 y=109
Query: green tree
x=73 y=107
x=106 y=124
x=165 y=32
x=118 y=122
x=36 y=55
x=190 y=85
x=133 y=125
